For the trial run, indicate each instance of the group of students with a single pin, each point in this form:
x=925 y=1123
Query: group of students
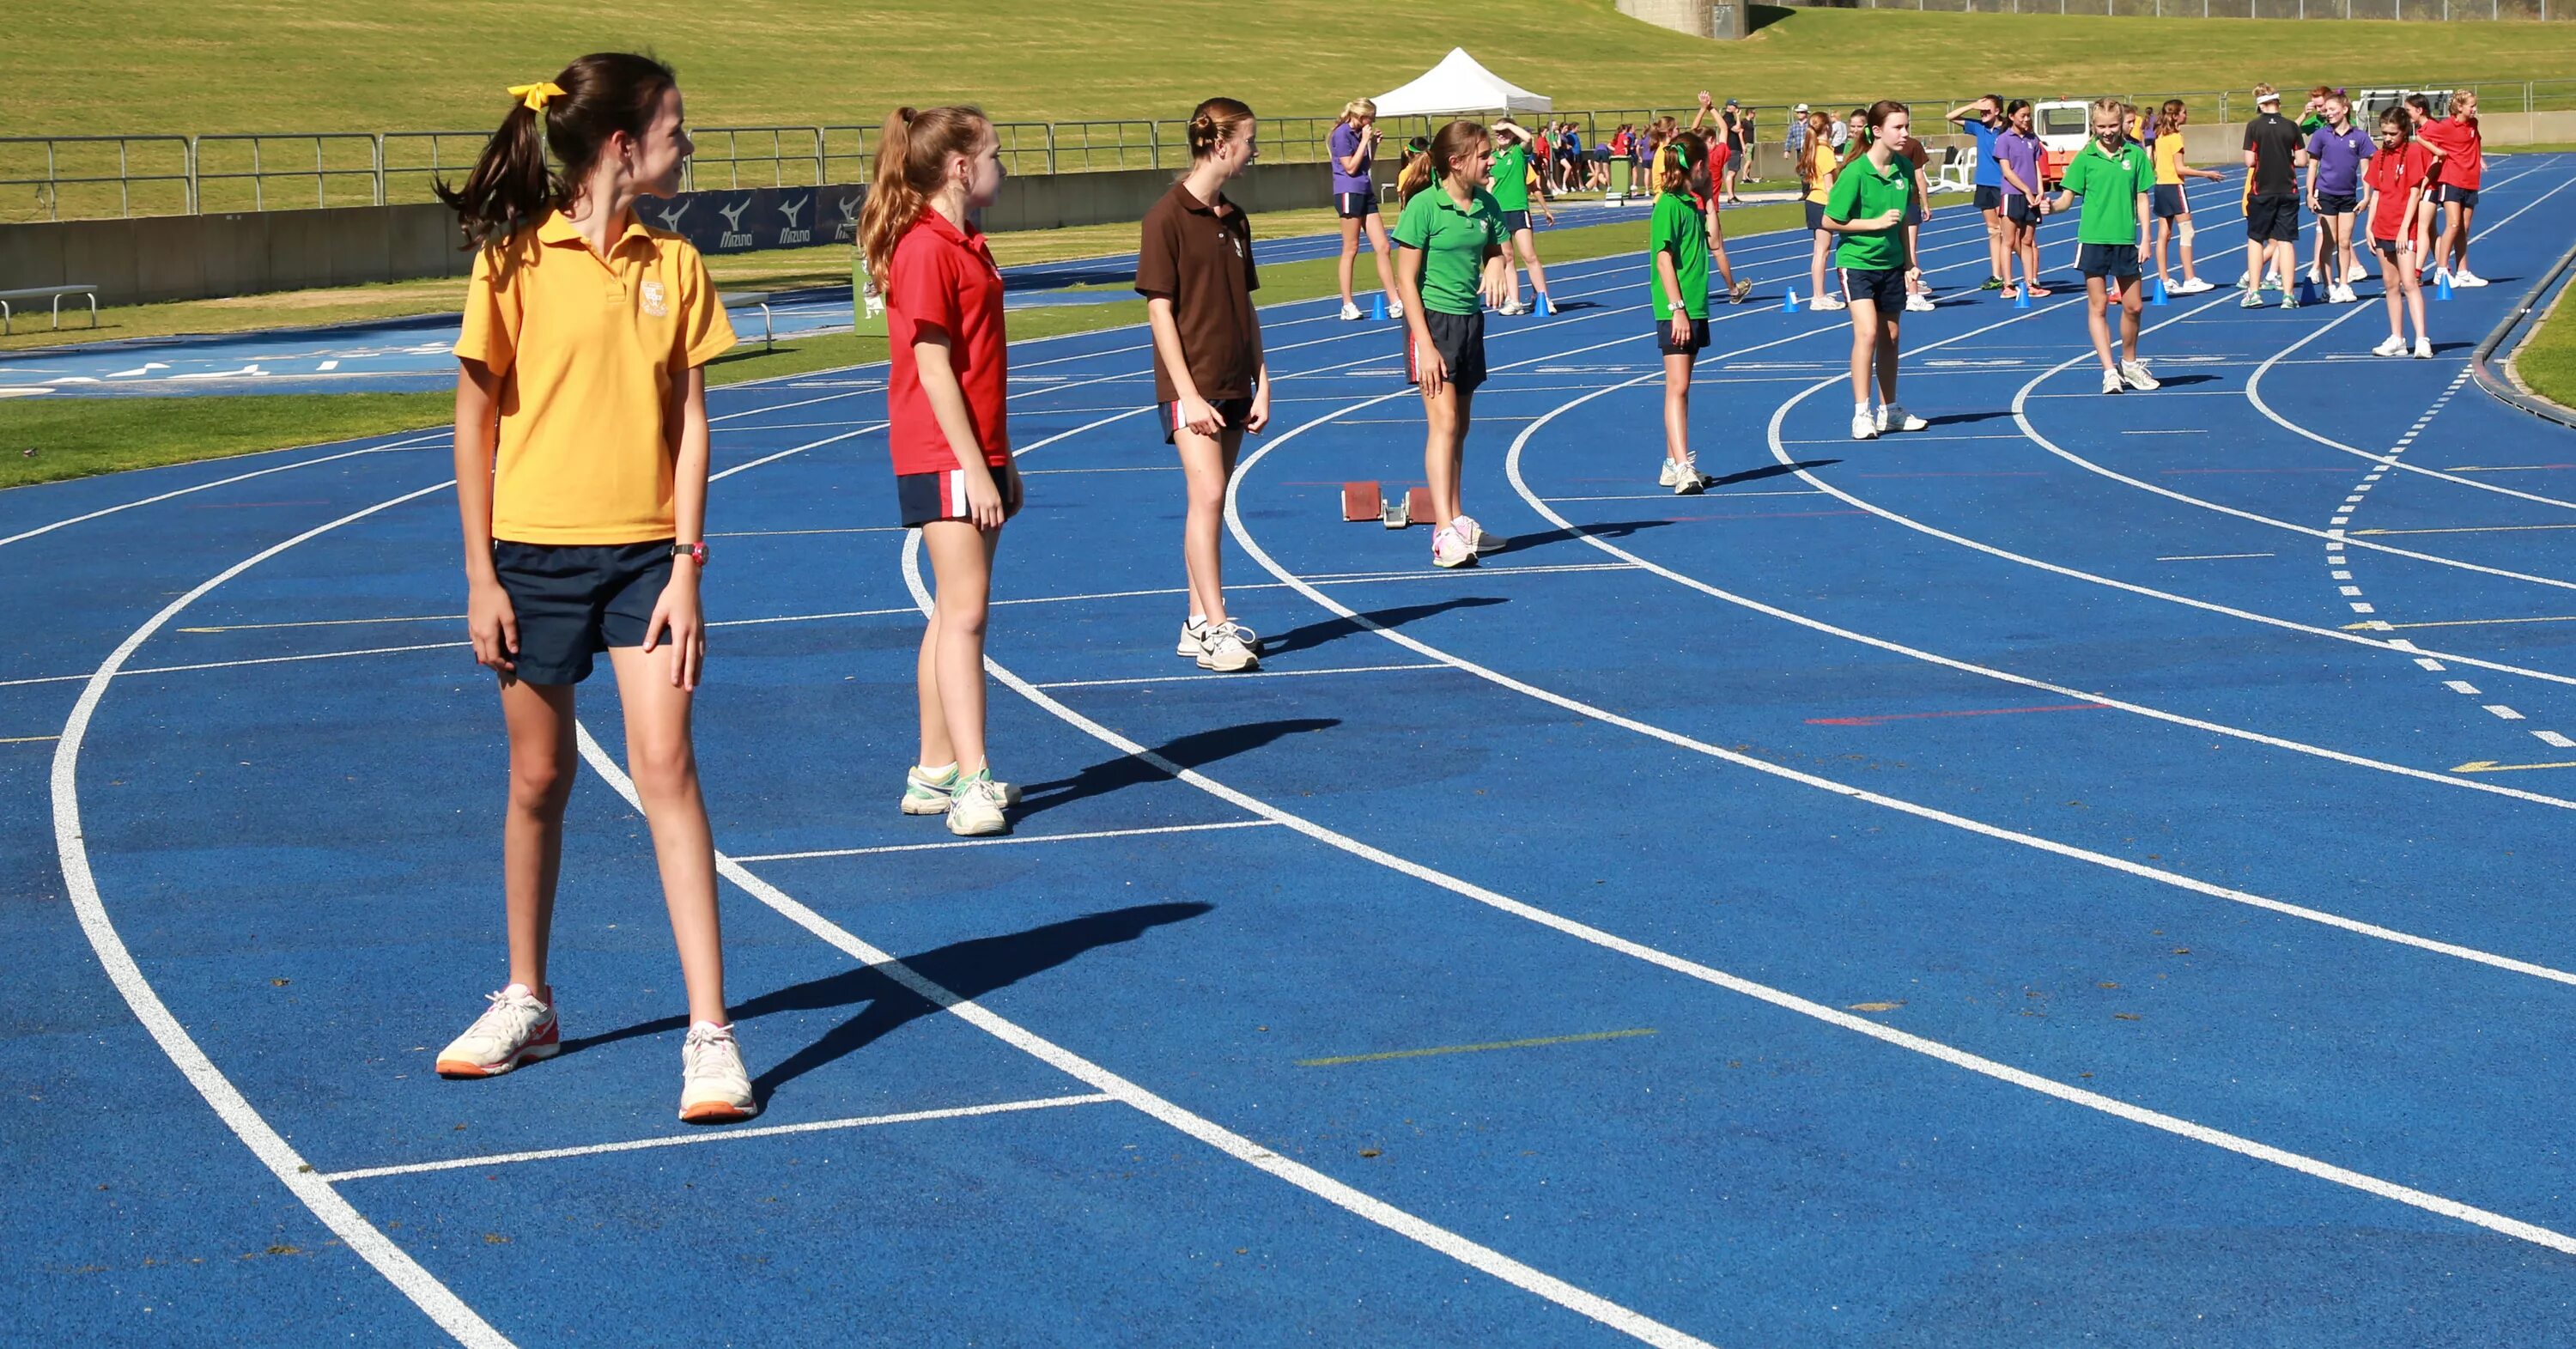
x=582 y=441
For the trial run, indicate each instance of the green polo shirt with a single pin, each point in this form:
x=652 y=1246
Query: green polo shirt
x=1511 y=178
x=1453 y=244
x=1861 y=190
x=1679 y=230
x=2110 y=186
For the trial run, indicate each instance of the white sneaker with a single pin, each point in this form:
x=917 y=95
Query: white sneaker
x=1350 y=312
x=515 y=1029
x=1394 y=308
x=975 y=807
x=1512 y=308
x=1894 y=417
x=2441 y=277
x=2392 y=345
x=1228 y=651
x=1448 y=549
x=1828 y=302
x=927 y=795
x=2465 y=277
x=2194 y=286
x=2253 y=299
x=1864 y=427
x=1919 y=303
x=1682 y=476
x=2111 y=382
x=2344 y=294
x=714 y=1087
x=2289 y=299
x=1193 y=643
x=2135 y=372
x=2423 y=348
x=1475 y=534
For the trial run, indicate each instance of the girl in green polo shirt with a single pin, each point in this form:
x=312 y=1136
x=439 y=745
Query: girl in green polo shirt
x=1677 y=277
x=1866 y=209
x=1449 y=265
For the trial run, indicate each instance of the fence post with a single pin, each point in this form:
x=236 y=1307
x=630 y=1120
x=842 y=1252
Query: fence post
x=378 y=146
x=1154 y=141
x=124 y=191
x=188 y=163
x=1050 y=130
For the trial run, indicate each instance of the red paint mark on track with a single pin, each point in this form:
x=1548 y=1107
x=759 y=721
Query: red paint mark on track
x=1976 y=712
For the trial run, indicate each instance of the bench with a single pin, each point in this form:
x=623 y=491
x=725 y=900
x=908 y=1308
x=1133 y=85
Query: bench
x=729 y=299
x=53 y=293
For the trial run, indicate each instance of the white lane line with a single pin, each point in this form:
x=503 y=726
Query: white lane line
x=2554 y=739
x=1976 y=1063
x=141 y=670
x=326 y=623
x=222 y=482
x=783 y=533
x=714 y=1136
x=1693 y=497
x=1248 y=674
x=441 y=1305
x=1001 y=841
x=1101 y=1079
x=2503 y=711
x=2212 y=557
x=2460 y=686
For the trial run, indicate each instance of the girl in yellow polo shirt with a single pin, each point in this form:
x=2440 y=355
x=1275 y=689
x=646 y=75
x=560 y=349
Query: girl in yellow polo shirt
x=581 y=352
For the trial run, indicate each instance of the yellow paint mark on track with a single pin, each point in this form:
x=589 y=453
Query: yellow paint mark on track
x=1472 y=1049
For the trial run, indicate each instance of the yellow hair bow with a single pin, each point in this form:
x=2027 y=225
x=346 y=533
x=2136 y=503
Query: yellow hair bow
x=535 y=95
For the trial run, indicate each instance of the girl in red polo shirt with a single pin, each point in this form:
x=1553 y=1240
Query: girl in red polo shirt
x=2395 y=179
x=2462 y=150
x=947 y=425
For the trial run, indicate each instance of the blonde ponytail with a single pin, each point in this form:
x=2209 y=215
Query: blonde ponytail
x=912 y=154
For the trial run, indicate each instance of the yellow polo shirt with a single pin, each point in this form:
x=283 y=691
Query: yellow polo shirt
x=594 y=354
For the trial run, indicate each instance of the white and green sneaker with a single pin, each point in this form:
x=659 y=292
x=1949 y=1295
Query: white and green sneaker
x=975 y=807
x=924 y=794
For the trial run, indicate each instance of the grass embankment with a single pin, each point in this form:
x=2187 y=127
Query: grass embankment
x=78 y=437
x=266 y=65
x=2547 y=362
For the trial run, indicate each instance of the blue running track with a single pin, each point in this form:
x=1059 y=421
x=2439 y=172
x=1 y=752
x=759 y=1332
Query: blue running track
x=2091 y=872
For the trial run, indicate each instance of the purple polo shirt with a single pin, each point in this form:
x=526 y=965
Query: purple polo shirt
x=1346 y=141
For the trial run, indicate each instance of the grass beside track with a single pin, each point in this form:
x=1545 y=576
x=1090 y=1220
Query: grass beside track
x=75 y=438
x=2547 y=362
x=270 y=65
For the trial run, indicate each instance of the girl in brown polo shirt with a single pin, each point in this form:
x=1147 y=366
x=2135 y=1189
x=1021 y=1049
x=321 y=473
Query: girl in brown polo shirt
x=1194 y=267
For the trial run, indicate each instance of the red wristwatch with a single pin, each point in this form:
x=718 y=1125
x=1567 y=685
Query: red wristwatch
x=695 y=552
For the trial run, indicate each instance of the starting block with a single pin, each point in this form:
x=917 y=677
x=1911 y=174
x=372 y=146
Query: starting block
x=1364 y=501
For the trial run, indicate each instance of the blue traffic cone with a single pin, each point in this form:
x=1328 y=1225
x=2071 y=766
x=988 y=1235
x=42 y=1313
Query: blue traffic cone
x=1377 y=306
x=1546 y=306
x=2441 y=285
x=2021 y=298
x=2158 y=296
x=2307 y=288
x=1790 y=305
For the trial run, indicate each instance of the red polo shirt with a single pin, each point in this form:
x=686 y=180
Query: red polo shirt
x=945 y=281
x=2464 y=163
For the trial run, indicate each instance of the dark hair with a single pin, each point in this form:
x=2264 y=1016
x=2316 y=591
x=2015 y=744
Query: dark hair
x=512 y=184
x=1213 y=123
x=1449 y=145
x=2420 y=104
x=913 y=151
x=2017 y=105
x=1883 y=109
x=2395 y=119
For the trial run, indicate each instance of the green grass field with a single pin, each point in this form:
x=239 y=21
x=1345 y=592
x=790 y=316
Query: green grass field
x=77 y=437
x=272 y=65
x=2547 y=362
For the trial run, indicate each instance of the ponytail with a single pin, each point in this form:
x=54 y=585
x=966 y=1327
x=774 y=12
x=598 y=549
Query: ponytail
x=912 y=158
x=1215 y=122
x=573 y=115
x=1452 y=143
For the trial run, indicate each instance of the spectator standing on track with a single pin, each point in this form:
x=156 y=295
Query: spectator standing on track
x=1452 y=266
x=2398 y=179
x=948 y=426
x=1677 y=279
x=2274 y=154
x=2173 y=207
x=1984 y=120
x=1918 y=210
x=1354 y=150
x=589 y=537
x=2463 y=152
x=1511 y=190
x=2336 y=150
x=2112 y=175
x=1867 y=208
x=2017 y=159
x=1817 y=164
x=1194 y=267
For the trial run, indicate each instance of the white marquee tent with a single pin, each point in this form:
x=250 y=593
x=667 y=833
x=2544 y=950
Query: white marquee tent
x=1459 y=84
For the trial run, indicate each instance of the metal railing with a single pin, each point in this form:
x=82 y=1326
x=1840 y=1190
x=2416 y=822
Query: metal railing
x=87 y=177
x=2428 y=10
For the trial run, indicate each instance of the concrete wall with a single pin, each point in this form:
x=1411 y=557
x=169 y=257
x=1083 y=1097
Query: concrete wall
x=1723 y=19
x=150 y=259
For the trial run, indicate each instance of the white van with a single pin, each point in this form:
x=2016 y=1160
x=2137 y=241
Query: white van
x=2062 y=127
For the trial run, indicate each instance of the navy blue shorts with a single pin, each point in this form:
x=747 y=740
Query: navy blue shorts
x=1460 y=340
x=1514 y=222
x=1988 y=197
x=2329 y=203
x=2168 y=201
x=1354 y=205
x=1236 y=412
x=924 y=497
x=1884 y=287
x=2020 y=210
x=2272 y=217
x=1698 y=338
x=1815 y=215
x=574 y=601
x=2114 y=262
x=2465 y=196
